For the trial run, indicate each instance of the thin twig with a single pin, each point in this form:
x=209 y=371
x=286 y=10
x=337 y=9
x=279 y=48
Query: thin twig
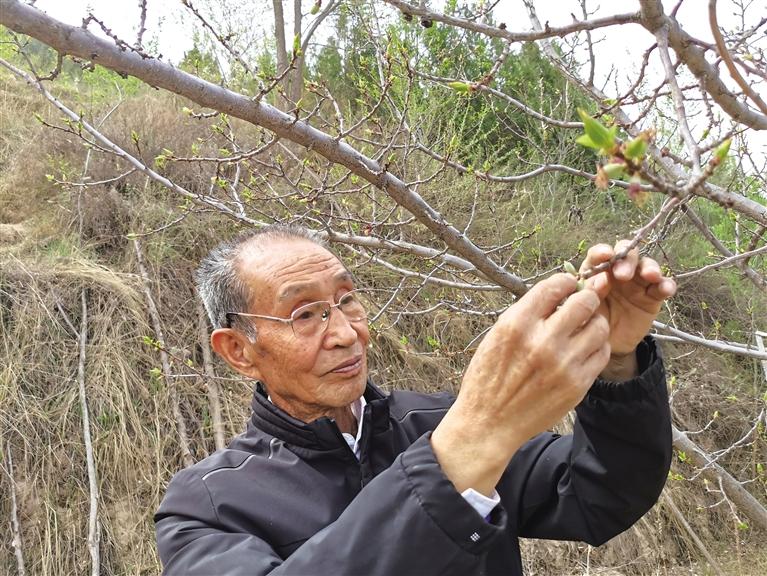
x=154 y=315
x=214 y=391
x=15 y=524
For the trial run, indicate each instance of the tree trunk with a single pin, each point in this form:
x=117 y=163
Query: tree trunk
x=297 y=75
x=282 y=51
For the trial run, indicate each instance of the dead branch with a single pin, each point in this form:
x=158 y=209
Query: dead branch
x=94 y=530
x=15 y=524
x=668 y=501
x=167 y=372
x=214 y=390
x=745 y=502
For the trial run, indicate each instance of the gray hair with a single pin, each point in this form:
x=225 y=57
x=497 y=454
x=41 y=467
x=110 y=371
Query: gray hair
x=218 y=281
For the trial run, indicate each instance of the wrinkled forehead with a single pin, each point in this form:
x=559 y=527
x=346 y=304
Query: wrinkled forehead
x=280 y=268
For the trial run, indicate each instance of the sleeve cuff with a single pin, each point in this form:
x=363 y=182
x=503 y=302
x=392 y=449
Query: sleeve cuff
x=481 y=503
x=651 y=375
x=440 y=500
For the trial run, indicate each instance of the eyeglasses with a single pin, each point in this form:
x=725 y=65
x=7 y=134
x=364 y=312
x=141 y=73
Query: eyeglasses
x=312 y=319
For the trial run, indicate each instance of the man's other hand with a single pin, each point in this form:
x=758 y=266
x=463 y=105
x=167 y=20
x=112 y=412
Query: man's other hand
x=632 y=293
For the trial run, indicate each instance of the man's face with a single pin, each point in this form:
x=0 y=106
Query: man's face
x=314 y=376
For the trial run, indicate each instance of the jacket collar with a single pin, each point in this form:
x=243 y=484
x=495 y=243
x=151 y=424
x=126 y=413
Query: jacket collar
x=321 y=434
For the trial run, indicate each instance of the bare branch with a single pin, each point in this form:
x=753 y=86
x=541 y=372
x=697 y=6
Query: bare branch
x=688 y=51
x=749 y=505
x=15 y=524
x=734 y=348
x=498 y=32
x=726 y=262
x=214 y=391
x=154 y=315
x=724 y=54
x=142 y=25
x=77 y=41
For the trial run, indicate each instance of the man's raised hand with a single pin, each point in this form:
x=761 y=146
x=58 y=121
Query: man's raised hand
x=534 y=365
x=632 y=292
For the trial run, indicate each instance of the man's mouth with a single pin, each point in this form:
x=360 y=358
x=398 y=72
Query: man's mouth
x=350 y=366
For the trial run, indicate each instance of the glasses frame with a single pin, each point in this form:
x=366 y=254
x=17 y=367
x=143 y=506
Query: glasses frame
x=292 y=318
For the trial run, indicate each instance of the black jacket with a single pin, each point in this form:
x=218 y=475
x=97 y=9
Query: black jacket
x=291 y=498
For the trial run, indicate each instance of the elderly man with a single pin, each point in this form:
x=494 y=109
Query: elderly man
x=334 y=477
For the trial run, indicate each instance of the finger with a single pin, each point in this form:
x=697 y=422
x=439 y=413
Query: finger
x=574 y=313
x=543 y=298
x=590 y=338
x=624 y=269
x=596 y=255
x=649 y=271
x=663 y=290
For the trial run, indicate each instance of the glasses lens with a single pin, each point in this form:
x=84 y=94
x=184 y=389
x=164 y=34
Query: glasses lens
x=351 y=305
x=308 y=319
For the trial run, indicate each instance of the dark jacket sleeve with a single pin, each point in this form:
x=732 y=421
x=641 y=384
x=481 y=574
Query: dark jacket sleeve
x=411 y=507
x=595 y=483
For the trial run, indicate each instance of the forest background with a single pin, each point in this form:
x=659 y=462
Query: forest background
x=440 y=148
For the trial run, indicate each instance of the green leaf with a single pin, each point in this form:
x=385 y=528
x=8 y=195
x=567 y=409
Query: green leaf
x=597 y=132
x=461 y=87
x=134 y=136
x=636 y=148
x=584 y=140
x=569 y=268
x=315 y=8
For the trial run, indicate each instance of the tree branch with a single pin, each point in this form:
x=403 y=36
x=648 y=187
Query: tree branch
x=498 y=32
x=79 y=42
x=653 y=18
x=154 y=315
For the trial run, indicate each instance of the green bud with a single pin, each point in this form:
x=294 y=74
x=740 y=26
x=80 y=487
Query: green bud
x=569 y=268
x=614 y=170
x=461 y=87
x=597 y=133
x=723 y=150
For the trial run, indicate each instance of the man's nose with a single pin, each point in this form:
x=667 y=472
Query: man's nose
x=340 y=331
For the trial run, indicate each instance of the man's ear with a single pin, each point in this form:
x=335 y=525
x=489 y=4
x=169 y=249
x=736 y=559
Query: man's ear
x=234 y=347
